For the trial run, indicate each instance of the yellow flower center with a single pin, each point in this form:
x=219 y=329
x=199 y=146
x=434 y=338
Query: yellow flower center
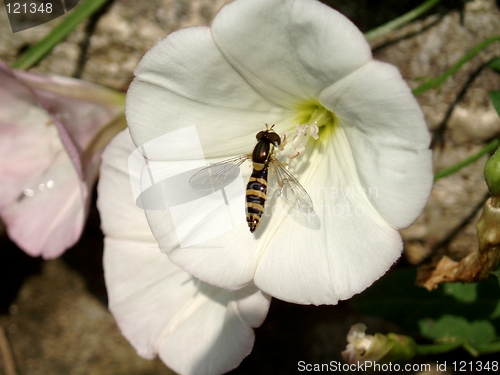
x=313 y=113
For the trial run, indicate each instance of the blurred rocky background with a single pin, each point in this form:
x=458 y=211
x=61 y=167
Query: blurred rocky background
x=53 y=315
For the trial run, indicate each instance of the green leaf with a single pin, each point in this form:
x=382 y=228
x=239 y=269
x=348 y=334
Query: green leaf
x=496 y=273
x=466 y=313
x=461 y=292
x=495 y=64
x=495 y=99
x=451 y=328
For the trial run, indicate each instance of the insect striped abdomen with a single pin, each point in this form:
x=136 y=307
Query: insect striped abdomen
x=256 y=197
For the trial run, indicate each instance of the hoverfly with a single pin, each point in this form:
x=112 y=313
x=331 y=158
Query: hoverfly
x=263 y=160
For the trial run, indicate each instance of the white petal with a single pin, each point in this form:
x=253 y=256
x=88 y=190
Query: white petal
x=289 y=50
x=27 y=147
x=48 y=217
x=184 y=81
x=220 y=252
x=226 y=338
x=203 y=232
x=45 y=194
x=388 y=138
x=82 y=92
x=337 y=251
x=42 y=200
x=120 y=217
x=194 y=327
x=79 y=110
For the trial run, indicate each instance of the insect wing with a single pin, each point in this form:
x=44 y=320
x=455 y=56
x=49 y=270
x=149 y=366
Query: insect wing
x=218 y=175
x=290 y=189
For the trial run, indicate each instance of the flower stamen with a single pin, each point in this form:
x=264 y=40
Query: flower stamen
x=313 y=113
x=300 y=139
x=321 y=117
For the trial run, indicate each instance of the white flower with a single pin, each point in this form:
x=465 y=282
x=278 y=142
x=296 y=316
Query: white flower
x=205 y=93
x=48 y=156
x=377 y=348
x=194 y=327
x=360 y=344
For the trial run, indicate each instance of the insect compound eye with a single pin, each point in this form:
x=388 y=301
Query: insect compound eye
x=259 y=135
x=274 y=138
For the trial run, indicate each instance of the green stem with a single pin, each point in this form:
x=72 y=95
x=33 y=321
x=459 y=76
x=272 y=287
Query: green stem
x=469 y=348
x=36 y=53
x=437 y=81
x=400 y=21
x=437 y=348
x=492 y=347
x=489 y=148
